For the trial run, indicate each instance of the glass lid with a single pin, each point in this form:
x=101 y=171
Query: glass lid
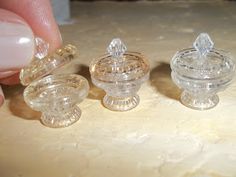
x=119 y=65
x=45 y=65
x=203 y=61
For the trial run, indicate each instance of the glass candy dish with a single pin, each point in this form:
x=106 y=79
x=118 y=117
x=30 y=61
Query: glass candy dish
x=55 y=95
x=201 y=72
x=120 y=74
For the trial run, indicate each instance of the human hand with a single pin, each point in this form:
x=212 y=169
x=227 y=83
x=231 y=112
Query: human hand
x=37 y=19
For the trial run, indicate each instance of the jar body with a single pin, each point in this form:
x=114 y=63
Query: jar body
x=57 y=96
x=200 y=94
x=120 y=96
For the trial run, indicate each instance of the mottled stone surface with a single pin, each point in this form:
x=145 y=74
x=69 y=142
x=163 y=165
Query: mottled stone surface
x=159 y=138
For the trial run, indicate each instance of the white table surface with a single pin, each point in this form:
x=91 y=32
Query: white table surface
x=159 y=138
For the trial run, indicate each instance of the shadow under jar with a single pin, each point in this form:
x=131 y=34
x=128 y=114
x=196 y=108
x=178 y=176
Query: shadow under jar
x=120 y=74
x=201 y=72
x=55 y=95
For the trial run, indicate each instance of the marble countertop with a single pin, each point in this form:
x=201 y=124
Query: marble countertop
x=159 y=138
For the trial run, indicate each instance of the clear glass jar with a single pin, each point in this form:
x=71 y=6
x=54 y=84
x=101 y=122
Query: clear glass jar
x=120 y=74
x=201 y=72
x=55 y=95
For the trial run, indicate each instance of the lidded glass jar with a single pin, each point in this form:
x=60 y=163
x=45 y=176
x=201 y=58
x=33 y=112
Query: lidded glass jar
x=120 y=74
x=55 y=95
x=201 y=72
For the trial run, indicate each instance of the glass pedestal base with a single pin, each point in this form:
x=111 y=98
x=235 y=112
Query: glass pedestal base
x=199 y=102
x=121 y=103
x=61 y=120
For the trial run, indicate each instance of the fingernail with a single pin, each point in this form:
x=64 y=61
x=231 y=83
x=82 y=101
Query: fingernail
x=16 y=41
x=1 y=100
x=7 y=74
x=1 y=97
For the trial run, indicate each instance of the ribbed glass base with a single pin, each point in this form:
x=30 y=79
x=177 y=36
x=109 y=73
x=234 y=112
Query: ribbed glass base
x=199 y=102
x=120 y=103
x=61 y=120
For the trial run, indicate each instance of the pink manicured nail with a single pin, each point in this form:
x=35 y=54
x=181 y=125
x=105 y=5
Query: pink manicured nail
x=1 y=97
x=16 y=41
x=7 y=74
x=1 y=100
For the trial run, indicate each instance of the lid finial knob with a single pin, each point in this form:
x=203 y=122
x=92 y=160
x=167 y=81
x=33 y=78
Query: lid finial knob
x=116 y=48
x=203 y=44
x=42 y=48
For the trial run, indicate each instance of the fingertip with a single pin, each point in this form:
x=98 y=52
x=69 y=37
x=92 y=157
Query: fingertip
x=43 y=22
